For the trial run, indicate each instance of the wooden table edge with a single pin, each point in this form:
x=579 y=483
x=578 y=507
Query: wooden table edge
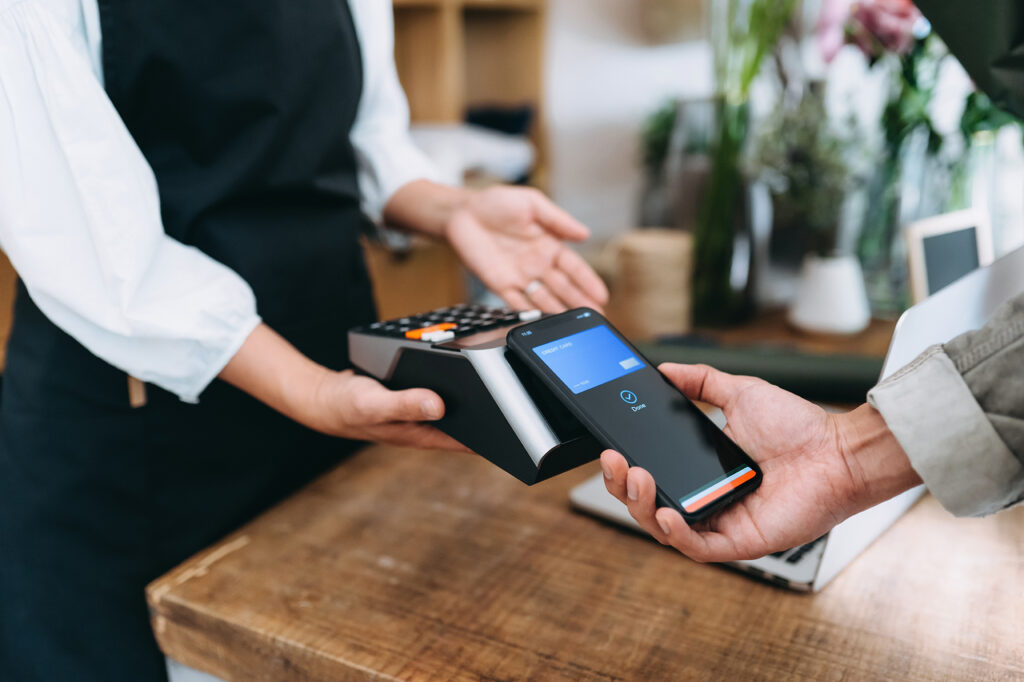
x=200 y=639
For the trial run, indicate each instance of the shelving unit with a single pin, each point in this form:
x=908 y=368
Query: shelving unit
x=8 y=287
x=452 y=55
x=455 y=54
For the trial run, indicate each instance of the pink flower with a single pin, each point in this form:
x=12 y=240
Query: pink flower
x=835 y=14
x=875 y=26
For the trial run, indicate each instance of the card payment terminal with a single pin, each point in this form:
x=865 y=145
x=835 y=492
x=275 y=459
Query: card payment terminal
x=494 y=404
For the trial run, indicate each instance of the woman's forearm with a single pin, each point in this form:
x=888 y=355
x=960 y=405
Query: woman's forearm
x=342 y=404
x=274 y=372
x=424 y=206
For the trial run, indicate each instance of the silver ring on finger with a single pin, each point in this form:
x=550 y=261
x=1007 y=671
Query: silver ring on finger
x=532 y=287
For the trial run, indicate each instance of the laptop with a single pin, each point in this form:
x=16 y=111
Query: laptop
x=962 y=306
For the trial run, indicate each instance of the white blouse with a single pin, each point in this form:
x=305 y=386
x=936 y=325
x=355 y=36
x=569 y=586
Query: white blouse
x=80 y=213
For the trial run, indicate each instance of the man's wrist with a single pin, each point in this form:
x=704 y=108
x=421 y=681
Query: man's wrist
x=879 y=468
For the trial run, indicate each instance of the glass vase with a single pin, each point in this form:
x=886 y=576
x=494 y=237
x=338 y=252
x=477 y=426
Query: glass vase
x=879 y=235
x=722 y=291
x=904 y=189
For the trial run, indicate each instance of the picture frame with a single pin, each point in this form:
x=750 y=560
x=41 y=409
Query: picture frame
x=944 y=248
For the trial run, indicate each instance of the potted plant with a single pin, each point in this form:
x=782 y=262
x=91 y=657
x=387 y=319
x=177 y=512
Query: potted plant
x=743 y=32
x=654 y=149
x=894 y=36
x=804 y=164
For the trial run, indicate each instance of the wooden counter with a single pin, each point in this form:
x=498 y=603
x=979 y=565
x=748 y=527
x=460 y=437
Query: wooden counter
x=412 y=565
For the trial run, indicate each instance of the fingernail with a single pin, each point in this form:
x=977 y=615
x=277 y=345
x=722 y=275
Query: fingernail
x=431 y=409
x=606 y=470
x=662 y=524
x=631 y=491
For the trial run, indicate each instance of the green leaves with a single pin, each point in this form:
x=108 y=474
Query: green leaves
x=656 y=134
x=803 y=161
x=981 y=115
x=752 y=28
x=908 y=107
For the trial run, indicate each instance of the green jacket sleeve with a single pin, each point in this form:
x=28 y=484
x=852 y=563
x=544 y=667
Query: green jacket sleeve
x=958 y=412
x=987 y=36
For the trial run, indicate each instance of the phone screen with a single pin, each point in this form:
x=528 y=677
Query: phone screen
x=617 y=393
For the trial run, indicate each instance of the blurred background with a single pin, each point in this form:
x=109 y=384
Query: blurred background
x=751 y=169
x=827 y=125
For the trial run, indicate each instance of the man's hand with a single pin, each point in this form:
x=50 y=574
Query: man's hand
x=818 y=470
x=341 y=404
x=512 y=238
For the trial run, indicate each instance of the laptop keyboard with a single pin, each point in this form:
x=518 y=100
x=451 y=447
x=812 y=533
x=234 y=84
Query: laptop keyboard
x=795 y=554
x=445 y=324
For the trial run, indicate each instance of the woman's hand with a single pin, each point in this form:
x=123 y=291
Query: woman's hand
x=348 y=405
x=512 y=238
x=341 y=404
x=818 y=470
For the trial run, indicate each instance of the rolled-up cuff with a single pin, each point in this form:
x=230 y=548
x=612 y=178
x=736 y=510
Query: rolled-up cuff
x=950 y=442
x=220 y=361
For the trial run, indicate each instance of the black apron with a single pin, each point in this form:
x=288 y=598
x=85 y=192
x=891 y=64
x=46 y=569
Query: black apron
x=243 y=109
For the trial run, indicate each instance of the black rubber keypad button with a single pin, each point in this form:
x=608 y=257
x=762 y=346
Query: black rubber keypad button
x=469 y=319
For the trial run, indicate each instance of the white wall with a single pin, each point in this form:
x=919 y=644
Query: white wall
x=604 y=76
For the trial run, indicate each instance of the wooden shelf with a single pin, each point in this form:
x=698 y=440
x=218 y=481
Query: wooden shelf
x=456 y=54
x=536 y=5
x=452 y=55
x=489 y=4
x=427 y=276
x=8 y=287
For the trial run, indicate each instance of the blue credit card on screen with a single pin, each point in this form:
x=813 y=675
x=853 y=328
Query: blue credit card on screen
x=588 y=358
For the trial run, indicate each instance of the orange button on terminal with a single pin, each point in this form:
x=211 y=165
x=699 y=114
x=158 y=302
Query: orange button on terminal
x=417 y=333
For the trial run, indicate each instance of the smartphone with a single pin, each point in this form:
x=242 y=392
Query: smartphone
x=629 y=406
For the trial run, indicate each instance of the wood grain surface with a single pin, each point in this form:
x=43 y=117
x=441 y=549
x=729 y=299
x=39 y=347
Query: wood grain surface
x=429 y=565
x=771 y=327
x=8 y=290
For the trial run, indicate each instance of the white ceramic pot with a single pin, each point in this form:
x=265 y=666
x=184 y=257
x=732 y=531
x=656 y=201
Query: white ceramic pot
x=830 y=298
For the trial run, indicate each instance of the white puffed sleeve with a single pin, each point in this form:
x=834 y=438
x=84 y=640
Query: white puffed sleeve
x=386 y=154
x=80 y=219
